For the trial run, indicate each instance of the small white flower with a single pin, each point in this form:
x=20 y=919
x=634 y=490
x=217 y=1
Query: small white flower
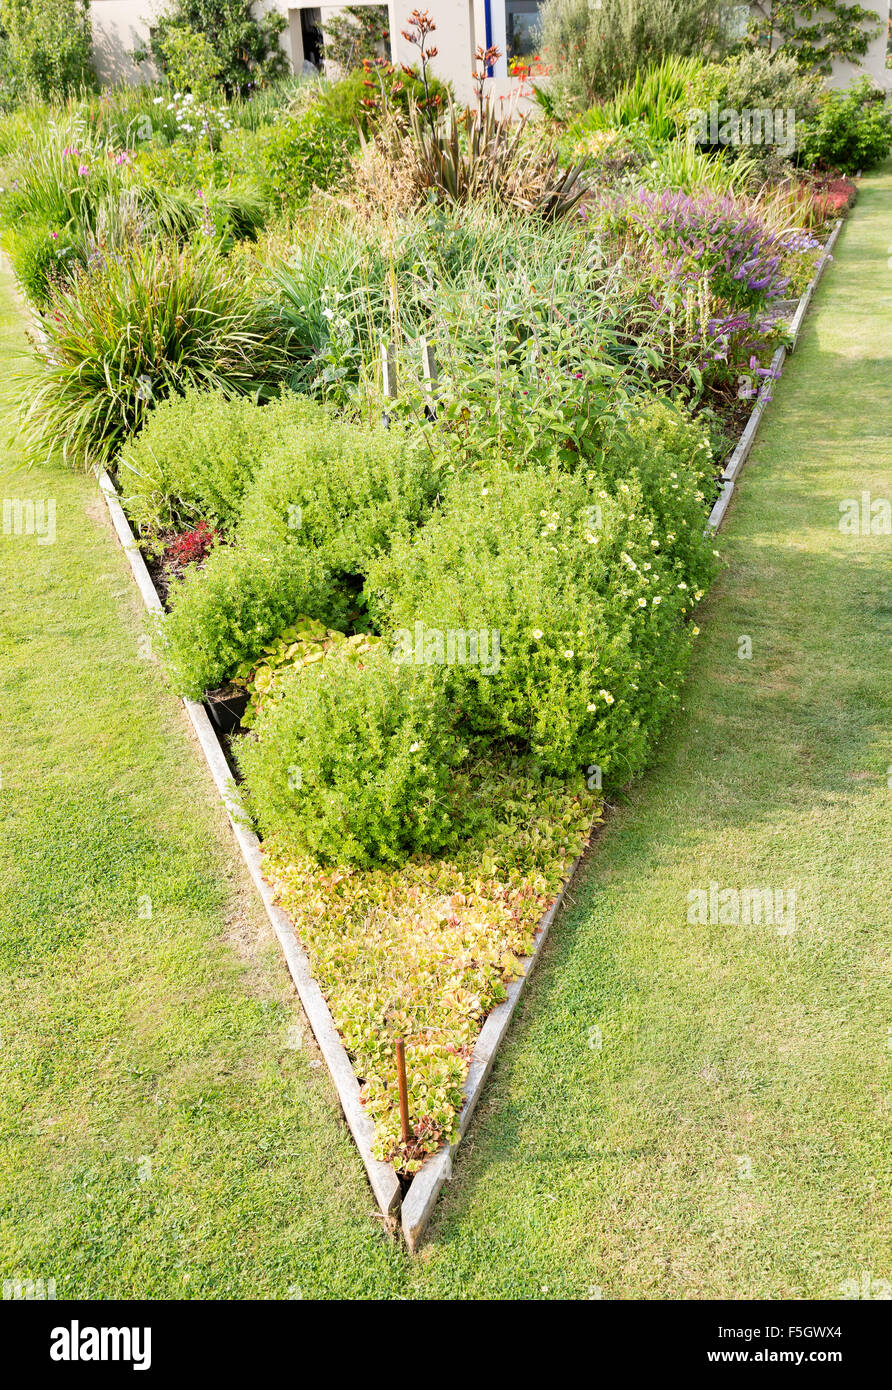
x=642 y=603
x=537 y=633
x=606 y=695
x=569 y=653
x=591 y=708
x=414 y=747
x=657 y=600
x=682 y=585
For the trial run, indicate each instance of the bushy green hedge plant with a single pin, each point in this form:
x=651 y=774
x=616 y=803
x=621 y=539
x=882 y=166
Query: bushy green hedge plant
x=223 y=614
x=344 y=490
x=852 y=130
x=578 y=615
x=352 y=763
x=193 y=459
x=307 y=150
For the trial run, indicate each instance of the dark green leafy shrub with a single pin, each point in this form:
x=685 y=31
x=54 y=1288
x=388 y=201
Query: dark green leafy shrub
x=577 y=614
x=235 y=48
x=223 y=615
x=352 y=763
x=852 y=130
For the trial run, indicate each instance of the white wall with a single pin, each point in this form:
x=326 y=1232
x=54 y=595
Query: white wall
x=118 y=26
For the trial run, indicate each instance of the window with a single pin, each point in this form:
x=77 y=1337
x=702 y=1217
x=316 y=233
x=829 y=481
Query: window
x=522 y=29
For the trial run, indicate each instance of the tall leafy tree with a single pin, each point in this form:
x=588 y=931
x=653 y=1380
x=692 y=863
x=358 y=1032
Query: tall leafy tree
x=246 y=50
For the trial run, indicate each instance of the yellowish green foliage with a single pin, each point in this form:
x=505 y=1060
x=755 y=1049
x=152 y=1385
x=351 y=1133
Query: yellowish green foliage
x=426 y=951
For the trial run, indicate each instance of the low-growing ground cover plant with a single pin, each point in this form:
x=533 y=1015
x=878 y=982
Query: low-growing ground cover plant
x=425 y=951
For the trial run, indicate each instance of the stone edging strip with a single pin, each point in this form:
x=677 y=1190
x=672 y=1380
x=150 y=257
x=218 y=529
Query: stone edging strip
x=745 y=443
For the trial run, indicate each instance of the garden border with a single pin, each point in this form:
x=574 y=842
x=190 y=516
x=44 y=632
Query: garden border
x=415 y=1213
x=415 y=1210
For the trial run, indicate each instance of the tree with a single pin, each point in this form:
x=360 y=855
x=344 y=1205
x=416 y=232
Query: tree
x=246 y=50
x=814 y=32
x=48 y=46
x=358 y=33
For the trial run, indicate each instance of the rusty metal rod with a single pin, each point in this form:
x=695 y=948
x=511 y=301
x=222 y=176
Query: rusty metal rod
x=404 y=1090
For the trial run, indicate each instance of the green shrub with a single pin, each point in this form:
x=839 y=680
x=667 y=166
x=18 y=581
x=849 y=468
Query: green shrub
x=670 y=457
x=48 y=45
x=592 y=51
x=141 y=326
x=754 y=80
x=344 y=490
x=852 y=130
x=352 y=763
x=578 y=615
x=193 y=459
x=307 y=150
x=223 y=614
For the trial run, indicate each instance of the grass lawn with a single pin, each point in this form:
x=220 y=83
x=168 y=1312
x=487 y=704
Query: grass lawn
x=681 y=1111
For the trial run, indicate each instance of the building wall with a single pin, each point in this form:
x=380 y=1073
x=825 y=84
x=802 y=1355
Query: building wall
x=118 y=25
x=874 y=61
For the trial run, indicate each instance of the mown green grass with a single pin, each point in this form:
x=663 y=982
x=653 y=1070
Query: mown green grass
x=730 y=1137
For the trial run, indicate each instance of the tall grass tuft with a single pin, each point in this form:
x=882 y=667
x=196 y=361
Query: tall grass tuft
x=135 y=328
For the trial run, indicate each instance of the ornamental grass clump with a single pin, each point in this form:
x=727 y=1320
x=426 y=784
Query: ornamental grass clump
x=137 y=328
